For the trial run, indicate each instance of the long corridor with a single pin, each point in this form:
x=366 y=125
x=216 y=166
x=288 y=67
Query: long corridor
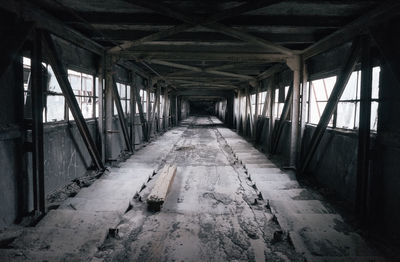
x=228 y=202
x=212 y=212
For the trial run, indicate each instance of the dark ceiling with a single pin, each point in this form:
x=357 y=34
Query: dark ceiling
x=206 y=44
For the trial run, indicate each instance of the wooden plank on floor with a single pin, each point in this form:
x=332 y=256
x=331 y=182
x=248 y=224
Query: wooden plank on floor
x=159 y=193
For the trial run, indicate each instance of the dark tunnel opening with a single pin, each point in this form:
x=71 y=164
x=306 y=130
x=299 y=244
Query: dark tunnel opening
x=202 y=107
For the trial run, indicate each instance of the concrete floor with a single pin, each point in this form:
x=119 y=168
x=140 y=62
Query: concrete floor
x=228 y=202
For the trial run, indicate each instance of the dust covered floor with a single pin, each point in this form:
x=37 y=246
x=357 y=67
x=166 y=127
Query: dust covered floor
x=212 y=212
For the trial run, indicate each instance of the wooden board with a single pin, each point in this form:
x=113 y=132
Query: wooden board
x=161 y=188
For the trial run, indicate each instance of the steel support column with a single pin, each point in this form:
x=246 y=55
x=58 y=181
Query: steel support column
x=364 y=132
x=294 y=64
x=37 y=124
x=133 y=110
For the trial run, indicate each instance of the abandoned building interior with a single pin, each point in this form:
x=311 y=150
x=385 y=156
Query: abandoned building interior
x=205 y=130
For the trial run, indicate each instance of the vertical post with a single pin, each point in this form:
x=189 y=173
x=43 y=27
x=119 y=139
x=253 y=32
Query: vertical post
x=271 y=103
x=238 y=113
x=246 y=92
x=37 y=125
x=165 y=120
x=158 y=94
x=133 y=110
x=295 y=64
x=176 y=110
x=108 y=109
x=304 y=97
x=364 y=132
x=149 y=111
x=256 y=111
x=101 y=107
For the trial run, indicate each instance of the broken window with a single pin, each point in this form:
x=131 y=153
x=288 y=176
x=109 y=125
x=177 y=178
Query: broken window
x=82 y=86
x=319 y=92
x=124 y=95
x=347 y=112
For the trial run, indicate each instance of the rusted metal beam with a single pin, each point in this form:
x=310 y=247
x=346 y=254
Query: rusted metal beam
x=62 y=78
x=330 y=107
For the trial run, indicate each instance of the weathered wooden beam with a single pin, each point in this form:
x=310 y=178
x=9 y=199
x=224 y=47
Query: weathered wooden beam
x=347 y=33
x=121 y=115
x=161 y=188
x=330 y=107
x=62 y=78
x=364 y=132
x=203 y=56
x=12 y=44
x=29 y=12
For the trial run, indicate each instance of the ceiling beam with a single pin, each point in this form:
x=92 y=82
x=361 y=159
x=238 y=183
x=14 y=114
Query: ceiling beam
x=211 y=22
x=203 y=56
x=198 y=69
x=347 y=33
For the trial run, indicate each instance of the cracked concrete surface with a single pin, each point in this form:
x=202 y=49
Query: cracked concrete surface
x=212 y=212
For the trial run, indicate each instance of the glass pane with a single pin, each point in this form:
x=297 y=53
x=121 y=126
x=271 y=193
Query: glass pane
x=128 y=91
x=345 y=115
x=374 y=115
x=87 y=107
x=253 y=99
x=321 y=89
x=53 y=84
x=115 y=110
x=350 y=92
x=375 y=82
x=97 y=107
x=128 y=106
x=87 y=84
x=75 y=81
x=122 y=91
x=55 y=108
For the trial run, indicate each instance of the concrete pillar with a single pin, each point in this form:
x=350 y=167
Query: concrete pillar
x=294 y=64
